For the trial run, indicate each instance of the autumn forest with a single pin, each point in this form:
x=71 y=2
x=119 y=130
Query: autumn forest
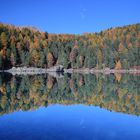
x=115 y=48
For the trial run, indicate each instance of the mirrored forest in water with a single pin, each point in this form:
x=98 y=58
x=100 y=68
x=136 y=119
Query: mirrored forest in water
x=119 y=93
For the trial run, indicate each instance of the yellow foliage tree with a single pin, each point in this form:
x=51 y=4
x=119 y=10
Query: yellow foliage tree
x=118 y=65
x=3 y=39
x=50 y=59
x=121 y=47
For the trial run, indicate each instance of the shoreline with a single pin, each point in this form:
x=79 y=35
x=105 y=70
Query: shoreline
x=60 y=69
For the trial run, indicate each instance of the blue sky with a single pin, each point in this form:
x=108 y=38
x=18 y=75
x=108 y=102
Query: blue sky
x=70 y=16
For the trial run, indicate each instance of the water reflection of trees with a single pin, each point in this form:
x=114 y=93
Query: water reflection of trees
x=31 y=92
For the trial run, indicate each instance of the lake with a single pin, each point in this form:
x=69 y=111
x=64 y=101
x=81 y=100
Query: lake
x=70 y=107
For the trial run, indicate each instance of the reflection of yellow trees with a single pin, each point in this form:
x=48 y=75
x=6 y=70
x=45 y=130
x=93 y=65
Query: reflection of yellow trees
x=122 y=93
x=118 y=76
x=81 y=81
x=3 y=102
x=71 y=83
x=99 y=86
x=92 y=99
x=35 y=85
x=31 y=92
x=137 y=98
x=50 y=82
x=2 y=89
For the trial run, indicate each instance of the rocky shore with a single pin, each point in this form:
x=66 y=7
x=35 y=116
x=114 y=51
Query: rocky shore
x=104 y=71
x=60 y=69
x=33 y=70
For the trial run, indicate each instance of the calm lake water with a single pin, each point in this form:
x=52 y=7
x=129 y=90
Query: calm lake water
x=70 y=107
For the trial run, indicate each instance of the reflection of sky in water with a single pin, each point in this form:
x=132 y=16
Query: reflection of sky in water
x=75 y=122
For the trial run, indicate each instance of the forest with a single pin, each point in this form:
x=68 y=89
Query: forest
x=119 y=93
x=114 y=48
